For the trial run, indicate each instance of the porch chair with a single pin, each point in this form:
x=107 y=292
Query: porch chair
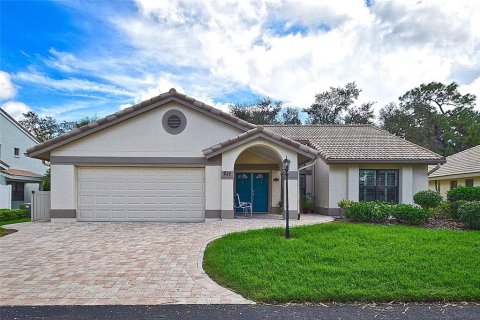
x=245 y=206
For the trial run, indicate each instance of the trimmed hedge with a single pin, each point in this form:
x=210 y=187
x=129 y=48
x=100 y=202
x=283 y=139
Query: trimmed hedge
x=367 y=211
x=469 y=213
x=427 y=199
x=407 y=213
x=454 y=206
x=13 y=214
x=464 y=193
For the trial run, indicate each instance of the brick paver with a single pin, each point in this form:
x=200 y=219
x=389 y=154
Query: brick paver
x=116 y=263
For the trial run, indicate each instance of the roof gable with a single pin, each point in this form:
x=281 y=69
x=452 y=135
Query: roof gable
x=18 y=125
x=41 y=150
x=259 y=131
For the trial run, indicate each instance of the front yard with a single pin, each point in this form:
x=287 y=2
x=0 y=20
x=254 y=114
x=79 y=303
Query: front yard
x=348 y=262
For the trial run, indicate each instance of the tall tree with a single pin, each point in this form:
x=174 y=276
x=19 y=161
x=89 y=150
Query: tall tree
x=330 y=107
x=362 y=114
x=435 y=116
x=46 y=128
x=291 y=116
x=264 y=111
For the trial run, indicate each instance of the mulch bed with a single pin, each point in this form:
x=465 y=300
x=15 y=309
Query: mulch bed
x=432 y=223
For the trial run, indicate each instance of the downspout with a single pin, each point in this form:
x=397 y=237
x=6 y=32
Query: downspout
x=308 y=165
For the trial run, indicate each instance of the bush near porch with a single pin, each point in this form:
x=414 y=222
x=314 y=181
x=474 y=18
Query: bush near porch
x=347 y=262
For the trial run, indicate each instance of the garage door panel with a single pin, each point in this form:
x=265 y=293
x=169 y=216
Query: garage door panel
x=140 y=194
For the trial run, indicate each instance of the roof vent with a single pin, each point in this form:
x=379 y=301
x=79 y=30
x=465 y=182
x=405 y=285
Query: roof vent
x=174 y=121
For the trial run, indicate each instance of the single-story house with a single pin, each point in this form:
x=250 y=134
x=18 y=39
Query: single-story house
x=461 y=169
x=19 y=174
x=173 y=158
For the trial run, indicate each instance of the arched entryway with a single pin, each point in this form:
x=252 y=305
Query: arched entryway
x=257 y=179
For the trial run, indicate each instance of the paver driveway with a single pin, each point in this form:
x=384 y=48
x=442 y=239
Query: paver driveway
x=116 y=263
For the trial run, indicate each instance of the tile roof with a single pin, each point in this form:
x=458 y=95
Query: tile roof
x=171 y=95
x=357 y=143
x=21 y=173
x=259 y=131
x=465 y=162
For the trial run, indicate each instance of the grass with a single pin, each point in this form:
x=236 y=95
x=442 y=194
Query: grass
x=348 y=262
x=4 y=232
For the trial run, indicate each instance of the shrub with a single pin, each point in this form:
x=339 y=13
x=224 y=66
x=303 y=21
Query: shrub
x=8 y=214
x=454 y=208
x=407 y=213
x=464 y=193
x=443 y=210
x=427 y=199
x=469 y=213
x=366 y=211
x=344 y=204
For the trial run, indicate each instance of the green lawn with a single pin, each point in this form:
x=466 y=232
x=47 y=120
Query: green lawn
x=4 y=232
x=348 y=262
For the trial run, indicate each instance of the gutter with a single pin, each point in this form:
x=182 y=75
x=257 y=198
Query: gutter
x=434 y=169
x=308 y=165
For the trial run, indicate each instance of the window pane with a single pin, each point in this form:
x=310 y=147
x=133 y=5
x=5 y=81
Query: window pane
x=469 y=182
x=367 y=177
x=367 y=193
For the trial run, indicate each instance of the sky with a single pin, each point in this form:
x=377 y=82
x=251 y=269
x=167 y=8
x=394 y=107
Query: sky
x=72 y=59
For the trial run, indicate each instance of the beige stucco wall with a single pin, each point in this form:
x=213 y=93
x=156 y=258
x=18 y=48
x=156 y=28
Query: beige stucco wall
x=63 y=187
x=213 y=187
x=144 y=136
x=444 y=182
x=336 y=182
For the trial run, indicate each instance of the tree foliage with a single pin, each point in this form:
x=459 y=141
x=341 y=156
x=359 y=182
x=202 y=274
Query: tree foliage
x=336 y=106
x=435 y=116
x=291 y=116
x=264 y=111
x=46 y=128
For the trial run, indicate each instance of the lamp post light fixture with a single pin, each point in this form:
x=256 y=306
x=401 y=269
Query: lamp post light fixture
x=286 y=167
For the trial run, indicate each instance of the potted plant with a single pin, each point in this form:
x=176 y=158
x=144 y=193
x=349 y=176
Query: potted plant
x=307 y=203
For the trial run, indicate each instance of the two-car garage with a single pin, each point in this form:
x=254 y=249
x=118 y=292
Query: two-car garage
x=140 y=194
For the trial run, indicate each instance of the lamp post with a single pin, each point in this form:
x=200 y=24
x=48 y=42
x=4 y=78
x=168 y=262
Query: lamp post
x=286 y=166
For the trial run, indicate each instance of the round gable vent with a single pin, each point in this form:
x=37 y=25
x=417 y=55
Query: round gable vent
x=174 y=121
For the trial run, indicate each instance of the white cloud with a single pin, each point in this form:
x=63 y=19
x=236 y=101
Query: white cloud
x=15 y=109
x=7 y=89
x=72 y=84
x=388 y=48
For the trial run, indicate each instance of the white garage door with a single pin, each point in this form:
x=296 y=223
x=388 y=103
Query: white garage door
x=140 y=194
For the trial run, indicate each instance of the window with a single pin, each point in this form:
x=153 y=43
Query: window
x=16 y=152
x=379 y=185
x=17 y=191
x=453 y=184
x=437 y=186
x=469 y=182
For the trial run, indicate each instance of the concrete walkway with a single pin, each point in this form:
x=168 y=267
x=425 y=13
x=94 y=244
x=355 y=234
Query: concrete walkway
x=116 y=263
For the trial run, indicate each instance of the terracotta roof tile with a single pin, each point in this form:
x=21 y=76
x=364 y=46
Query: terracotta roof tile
x=21 y=173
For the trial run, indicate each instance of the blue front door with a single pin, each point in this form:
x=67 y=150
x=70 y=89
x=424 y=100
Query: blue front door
x=253 y=187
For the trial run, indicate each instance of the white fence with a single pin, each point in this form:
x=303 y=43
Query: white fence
x=40 y=205
x=6 y=197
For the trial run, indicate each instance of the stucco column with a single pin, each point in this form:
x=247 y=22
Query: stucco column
x=227 y=195
x=63 y=192
x=353 y=182
x=406 y=181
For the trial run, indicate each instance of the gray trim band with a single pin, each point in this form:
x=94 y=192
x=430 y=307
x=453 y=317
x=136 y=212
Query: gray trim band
x=179 y=161
x=352 y=161
x=293 y=175
x=227 y=214
x=330 y=211
x=209 y=214
x=63 y=213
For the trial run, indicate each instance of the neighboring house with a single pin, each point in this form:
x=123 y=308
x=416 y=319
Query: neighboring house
x=173 y=158
x=24 y=174
x=461 y=169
